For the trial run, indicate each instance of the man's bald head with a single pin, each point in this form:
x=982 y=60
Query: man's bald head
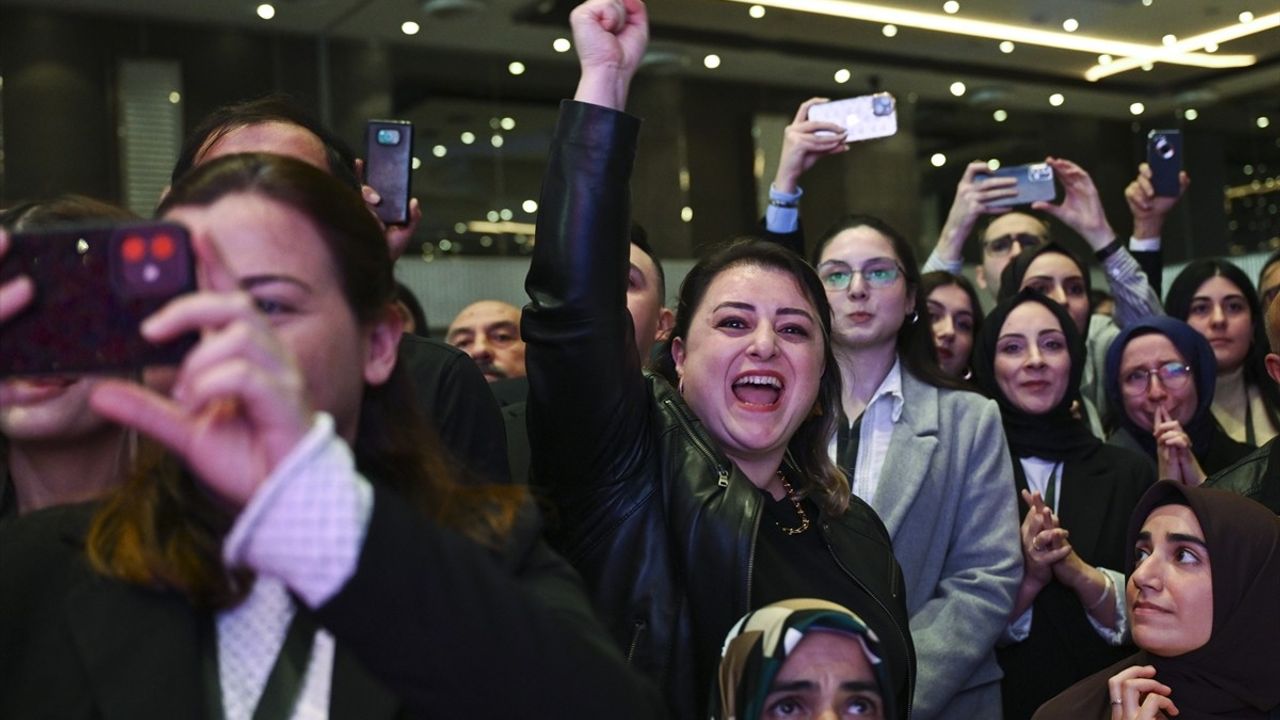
x=489 y=331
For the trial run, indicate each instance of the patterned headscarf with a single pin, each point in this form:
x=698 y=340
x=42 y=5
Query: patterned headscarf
x=758 y=646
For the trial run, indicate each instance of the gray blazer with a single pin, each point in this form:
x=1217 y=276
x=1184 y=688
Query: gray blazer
x=946 y=494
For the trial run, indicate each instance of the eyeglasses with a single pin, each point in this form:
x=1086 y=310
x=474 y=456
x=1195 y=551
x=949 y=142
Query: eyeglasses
x=1173 y=376
x=875 y=274
x=1003 y=245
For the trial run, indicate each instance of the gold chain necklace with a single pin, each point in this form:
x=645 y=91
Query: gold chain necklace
x=804 y=516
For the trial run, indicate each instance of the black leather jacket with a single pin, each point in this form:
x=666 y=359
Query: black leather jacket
x=660 y=523
x=1256 y=476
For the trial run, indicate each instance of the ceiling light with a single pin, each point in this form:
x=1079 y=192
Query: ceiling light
x=1137 y=108
x=1208 y=42
x=460 y=227
x=938 y=160
x=1105 y=59
x=1148 y=67
x=497 y=141
x=985 y=29
x=951 y=7
x=439 y=151
x=1190 y=114
x=506 y=214
x=1263 y=121
x=889 y=30
x=492 y=216
x=415 y=163
x=1245 y=17
x=842 y=75
x=508 y=123
x=561 y=45
x=409 y=27
x=957 y=88
x=756 y=11
x=1071 y=25
x=1168 y=40
x=467 y=137
x=266 y=11
x=686 y=214
x=1006 y=47
x=516 y=67
x=175 y=97
x=1056 y=99
x=1146 y=3
x=993 y=164
x=1000 y=115
x=711 y=61
x=529 y=206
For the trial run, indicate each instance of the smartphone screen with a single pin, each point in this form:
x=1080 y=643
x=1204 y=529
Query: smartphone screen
x=1164 y=155
x=93 y=288
x=388 y=167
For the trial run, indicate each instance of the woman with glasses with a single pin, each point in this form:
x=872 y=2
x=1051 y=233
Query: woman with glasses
x=1069 y=619
x=1160 y=379
x=931 y=459
x=1217 y=299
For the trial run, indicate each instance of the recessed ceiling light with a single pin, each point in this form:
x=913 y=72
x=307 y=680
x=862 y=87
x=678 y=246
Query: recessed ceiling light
x=1190 y=114
x=1056 y=99
x=1169 y=39
x=711 y=61
x=1006 y=47
x=842 y=75
x=467 y=137
x=439 y=151
x=1146 y=3
x=889 y=30
x=938 y=160
x=508 y=123
x=561 y=45
x=1246 y=17
x=1105 y=59
x=175 y=97
x=1137 y=108
x=1248 y=169
x=415 y=163
x=1211 y=47
x=686 y=214
x=1071 y=25
x=506 y=214
x=957 y=88
x=497 y=142
x=756 y=11
x=1263 y=121
x=492 y=216
x=993 y=164
x=530 y=206
x=1147 y=67
x=266 y=11
x=409 y=27
x=516 y=67
x=460 y=228
x=1000 y=115
x=951 y=7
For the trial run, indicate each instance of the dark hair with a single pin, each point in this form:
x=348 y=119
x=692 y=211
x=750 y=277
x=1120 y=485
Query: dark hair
x=980 y=228
x=161 y=528
x=640 y=238
x=62 y=210
x=824 y=481
x=931 y=281
x=915 y=338
x=1272 y=259
x=406 y=297
x=269 y=108
x=1178 y=304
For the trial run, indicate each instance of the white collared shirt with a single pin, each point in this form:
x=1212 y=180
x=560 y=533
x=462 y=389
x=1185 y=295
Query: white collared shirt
x=884 y=409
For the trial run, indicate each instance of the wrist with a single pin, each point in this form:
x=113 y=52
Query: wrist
x=1108 y=250
x=1098 y=238
x=786 y=184
x=1148 y=228
x=603 y=86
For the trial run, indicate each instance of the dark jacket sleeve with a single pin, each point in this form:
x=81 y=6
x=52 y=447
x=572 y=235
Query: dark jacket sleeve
x=455 y=634
x=1152 y=263
x=456 y=401
x=793 y=241
x=588 y=408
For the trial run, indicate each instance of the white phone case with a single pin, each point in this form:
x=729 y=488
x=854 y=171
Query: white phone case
x=865 y=117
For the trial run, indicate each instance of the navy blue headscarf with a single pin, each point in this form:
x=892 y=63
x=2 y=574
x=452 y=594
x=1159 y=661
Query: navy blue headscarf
x=1196 y=351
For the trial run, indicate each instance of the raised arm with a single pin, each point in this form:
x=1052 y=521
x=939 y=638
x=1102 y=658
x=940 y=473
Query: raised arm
x=1149 y=211
x=588 y=400
x=974 y=195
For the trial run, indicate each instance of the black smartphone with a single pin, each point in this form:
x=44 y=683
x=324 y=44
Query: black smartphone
x=1164 y=155
x=1035 y=183
x=93 y=288
x=388 y=167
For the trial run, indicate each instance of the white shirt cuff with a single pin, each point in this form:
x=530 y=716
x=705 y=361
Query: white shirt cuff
x=782 y=220
x=1144 y=244
x=935 y=263
x=307 y=523
x=1018 y=630
x=1116 y=635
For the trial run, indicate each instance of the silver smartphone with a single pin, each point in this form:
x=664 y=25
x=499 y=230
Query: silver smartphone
x=864 y=118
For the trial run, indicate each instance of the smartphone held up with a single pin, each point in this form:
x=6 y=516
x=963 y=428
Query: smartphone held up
x=388 y=167
x=93 y=288
x=864 y=118
x=1034 y=184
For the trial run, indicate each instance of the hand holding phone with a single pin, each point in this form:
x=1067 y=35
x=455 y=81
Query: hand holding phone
x=16 y=292
x=1164 y=156
x=92 y=289
x=388 y=167
x=1032 y=183
x=863 y=118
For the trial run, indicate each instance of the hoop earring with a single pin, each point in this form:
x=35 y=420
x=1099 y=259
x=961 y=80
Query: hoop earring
x=915 y=316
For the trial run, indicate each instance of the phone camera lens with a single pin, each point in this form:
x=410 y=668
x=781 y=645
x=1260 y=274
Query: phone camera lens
x=388 y=136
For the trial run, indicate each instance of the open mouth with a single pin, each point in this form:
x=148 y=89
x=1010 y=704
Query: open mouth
x=758 y=390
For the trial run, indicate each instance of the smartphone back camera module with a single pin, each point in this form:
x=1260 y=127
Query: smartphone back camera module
x=1164 y=148
x=388 y=136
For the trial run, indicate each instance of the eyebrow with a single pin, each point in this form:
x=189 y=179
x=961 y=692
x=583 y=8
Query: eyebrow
x=1176 y=537
x=1232 y=296
x=849 y=685
x=752 y=308
x=500 y=325
x=834 y=261
x=252 y=281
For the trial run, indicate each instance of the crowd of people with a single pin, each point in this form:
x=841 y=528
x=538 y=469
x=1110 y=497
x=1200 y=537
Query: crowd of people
x=826 y=484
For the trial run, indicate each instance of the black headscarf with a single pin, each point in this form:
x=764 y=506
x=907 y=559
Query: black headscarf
x=1016 y=270
x=1056 y=434
x=1236 y=674
x=1204 y=371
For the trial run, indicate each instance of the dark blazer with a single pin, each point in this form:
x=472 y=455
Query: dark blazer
x=1099 y=493
x=429 y=626
x=1257 y=476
